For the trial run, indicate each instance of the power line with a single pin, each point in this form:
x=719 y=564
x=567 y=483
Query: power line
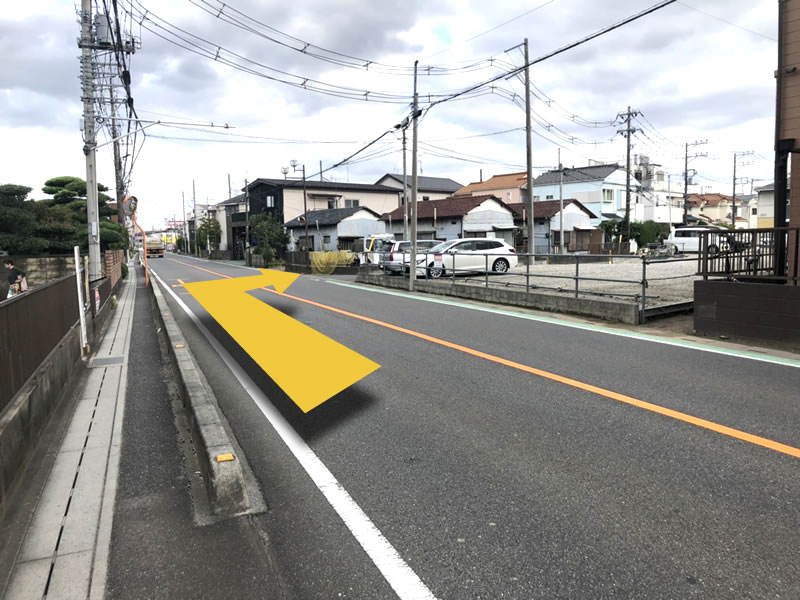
x=228 y=14
x=605 y=30
x=503 y=24
x=708 y=14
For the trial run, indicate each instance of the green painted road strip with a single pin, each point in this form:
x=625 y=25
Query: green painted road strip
x=779 y=360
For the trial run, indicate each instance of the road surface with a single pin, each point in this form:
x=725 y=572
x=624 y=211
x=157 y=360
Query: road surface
x=497 y=455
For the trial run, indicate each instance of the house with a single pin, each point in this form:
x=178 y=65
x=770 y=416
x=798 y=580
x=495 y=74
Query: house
x=334 y=228
x=428 y=188
x=284 y=197
x=765 y=205
x=717 y=209
x=600 y=188
x=579 y=233
x=458 y=217
x=507 y=187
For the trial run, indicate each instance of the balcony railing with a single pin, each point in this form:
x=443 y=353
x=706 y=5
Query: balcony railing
x=751 y=254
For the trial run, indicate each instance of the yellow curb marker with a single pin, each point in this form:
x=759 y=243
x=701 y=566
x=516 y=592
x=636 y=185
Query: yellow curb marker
x=224 y=458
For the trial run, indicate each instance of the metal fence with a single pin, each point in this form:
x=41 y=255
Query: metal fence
x=750 y=254
x=31 y=326
x=657 y=285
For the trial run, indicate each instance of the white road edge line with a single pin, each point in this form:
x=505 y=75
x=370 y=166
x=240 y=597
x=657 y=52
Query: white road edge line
x=403 y=580
x=776 y=360
x=685 y=344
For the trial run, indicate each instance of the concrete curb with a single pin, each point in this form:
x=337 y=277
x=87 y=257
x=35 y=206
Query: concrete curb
x=224 y=479
x=587 y=307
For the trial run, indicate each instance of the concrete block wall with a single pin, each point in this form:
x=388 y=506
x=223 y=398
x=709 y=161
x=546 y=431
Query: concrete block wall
x=112 y=265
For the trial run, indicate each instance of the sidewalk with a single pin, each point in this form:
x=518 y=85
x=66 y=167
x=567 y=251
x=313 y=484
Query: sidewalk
x=65 y=550
x=119 y=514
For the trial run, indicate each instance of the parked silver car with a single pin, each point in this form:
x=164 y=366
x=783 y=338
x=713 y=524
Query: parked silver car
x=396 y=257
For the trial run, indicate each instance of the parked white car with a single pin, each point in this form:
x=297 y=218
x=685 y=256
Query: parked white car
x=397 y=256
x=471 y=255
x=687 y=239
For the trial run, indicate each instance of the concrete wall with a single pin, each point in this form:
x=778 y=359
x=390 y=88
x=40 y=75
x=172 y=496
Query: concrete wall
x=24 y=419
x=747 y=310
x=618 y=312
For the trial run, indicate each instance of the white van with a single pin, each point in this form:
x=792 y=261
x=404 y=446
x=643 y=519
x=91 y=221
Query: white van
x=687 y=239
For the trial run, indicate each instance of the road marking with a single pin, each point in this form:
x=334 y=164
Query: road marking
x=403 y=580
x=779 y=360
x=250 y=322
x=655 y=408
x=761 y=357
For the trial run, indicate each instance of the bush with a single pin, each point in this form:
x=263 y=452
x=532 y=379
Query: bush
x=124 y=270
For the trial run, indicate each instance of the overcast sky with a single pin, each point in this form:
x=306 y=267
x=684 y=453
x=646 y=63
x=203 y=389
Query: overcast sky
x=693 y=76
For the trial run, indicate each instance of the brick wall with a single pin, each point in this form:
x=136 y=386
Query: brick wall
x=112 y=265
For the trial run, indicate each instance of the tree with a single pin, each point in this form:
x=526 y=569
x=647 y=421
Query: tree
x=18 y=221
x=270 y=236
x=209 y=233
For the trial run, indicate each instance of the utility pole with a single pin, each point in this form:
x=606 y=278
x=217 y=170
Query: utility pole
x=194 y=219
x=528 y=149
x=686 y=158
x=736 y=156
x=561 y=203
x=229 y=186
x=120 y=184
x=184 y=225
x=90 y=143
x=627 y=132
x=405 y=185
x=412 y=270
x=247 y=223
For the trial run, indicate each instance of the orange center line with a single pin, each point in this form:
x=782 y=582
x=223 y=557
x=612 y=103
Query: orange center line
x=655 y=408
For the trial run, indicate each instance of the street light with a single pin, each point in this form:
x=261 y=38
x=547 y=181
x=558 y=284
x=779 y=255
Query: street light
x=296 y=166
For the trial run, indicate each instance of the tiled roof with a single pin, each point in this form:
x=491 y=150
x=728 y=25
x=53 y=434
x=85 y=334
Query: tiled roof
x=575 y=175
x=547 y=209
x=708 y=199
x=428 y=184
x=329 y=216
x=498 y=182
x=455 y=206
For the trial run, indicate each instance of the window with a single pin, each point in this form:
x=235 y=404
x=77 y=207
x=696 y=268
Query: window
x=351 y=203
x=269 y=201
x=326 y=239
x=549 y=197
x=754 y=211
x=608 y=195
x=536 y=198
x=332 y=203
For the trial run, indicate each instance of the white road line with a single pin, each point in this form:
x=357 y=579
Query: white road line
x=398 y=574
x=644 y=337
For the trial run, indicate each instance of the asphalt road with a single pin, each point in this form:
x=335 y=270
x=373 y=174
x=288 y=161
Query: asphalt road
x=494 y=480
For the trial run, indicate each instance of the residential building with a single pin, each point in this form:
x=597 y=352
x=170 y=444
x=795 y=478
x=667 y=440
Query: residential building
x=458 y=217
x=717 y=209
x=428 y=188
x=508 y=187
x=600 y=188
x=579 y=233
x=284 y=197
x=334 y=228
x=765 y=206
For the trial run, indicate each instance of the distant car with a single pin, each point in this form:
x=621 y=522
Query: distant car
x=468 y=255
x=687 y=239
x=397 y=256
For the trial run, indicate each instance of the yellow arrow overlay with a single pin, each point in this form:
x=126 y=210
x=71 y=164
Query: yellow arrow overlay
x=308 y=366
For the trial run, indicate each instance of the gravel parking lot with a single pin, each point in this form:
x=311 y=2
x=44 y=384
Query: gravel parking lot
x=669 y=281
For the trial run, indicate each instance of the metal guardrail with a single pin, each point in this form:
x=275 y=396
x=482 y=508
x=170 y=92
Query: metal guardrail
x=751 y=254
x=635 y=290
x=31 y=326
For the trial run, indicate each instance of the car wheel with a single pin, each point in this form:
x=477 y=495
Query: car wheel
x=713 y=250
x=500 y=266
x=435 y=272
